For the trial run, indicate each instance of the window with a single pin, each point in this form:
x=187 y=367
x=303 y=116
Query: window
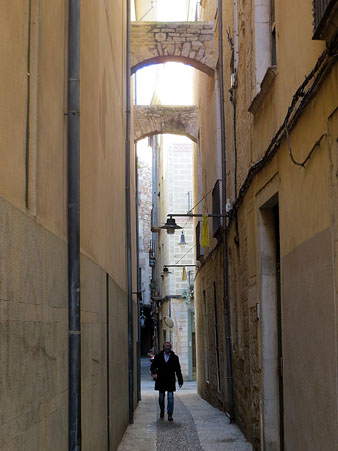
x=265 y=39
x=199 y=248
x=265 y=51
x=189 y=195
x=216 y=208
x=325 y=15
x=273 y=33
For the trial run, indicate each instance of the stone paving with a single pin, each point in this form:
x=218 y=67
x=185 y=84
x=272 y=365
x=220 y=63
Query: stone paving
x=197 y=426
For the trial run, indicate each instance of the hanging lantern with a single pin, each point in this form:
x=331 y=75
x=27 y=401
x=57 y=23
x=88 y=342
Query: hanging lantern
x=170 y=226
x=182 y=239
x=142 y=320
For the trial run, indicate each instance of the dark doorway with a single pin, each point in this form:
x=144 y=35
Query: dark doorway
x=275 y=210
x=147 y=332
x=271 y=326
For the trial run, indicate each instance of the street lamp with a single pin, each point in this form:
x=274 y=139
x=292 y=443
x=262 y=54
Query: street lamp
x=165 y=272
x=182 y=241
x=142 y=320
x=170 y=226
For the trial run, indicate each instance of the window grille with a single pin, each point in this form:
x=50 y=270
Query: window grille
x=199 y=248
x=322 y=10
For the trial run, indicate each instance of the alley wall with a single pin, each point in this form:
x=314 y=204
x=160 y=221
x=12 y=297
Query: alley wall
x=307 y=204
x=33 y=225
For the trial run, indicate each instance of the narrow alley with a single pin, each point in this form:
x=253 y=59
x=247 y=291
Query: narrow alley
x=168 y=215
x=197 y=426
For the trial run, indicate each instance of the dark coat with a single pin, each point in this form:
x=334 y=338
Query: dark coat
x=166 y=380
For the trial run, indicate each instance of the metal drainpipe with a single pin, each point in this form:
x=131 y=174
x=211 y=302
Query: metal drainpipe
x=74 y=337
x=138 y=283
x=226 y=303
x=128 y=229
x=28 y=103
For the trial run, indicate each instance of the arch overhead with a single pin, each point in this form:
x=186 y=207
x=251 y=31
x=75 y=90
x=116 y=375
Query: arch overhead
x=158 y=119
x=190 y=43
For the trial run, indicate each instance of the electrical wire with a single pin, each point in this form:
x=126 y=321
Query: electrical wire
x=186 y=254
x=299 y=102
x=316 y=144
x=201 y=200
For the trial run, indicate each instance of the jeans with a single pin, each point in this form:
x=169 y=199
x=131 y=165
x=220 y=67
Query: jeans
x=170 y=401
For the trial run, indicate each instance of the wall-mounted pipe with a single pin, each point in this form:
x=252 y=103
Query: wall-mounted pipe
x=128 y=227
x=28 y=102
x=226 y=303
x=74 y=332
x=139 y=294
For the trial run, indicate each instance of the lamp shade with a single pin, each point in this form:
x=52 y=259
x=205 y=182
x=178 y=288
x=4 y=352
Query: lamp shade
x=182 y=239
x=168 y=322
x=170 y=226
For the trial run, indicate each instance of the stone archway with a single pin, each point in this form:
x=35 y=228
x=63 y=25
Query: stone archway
x=158 y=119
x=190 y=43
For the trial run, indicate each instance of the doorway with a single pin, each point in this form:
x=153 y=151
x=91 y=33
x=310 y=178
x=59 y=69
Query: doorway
x=271 y=328
x=192 y=345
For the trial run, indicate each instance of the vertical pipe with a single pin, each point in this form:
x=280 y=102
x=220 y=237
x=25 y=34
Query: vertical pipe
x=108 y=360
x=226 y=305
x=128 y=228
x=28 y=103
x=74 y=356
x=138 y=283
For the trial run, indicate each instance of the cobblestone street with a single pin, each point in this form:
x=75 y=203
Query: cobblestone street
x=197 y=426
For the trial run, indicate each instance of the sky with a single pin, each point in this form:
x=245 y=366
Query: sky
x=173 y=81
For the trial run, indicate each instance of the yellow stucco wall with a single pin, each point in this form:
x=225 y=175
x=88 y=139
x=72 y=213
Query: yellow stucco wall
x=308 y=228
x=33 y=269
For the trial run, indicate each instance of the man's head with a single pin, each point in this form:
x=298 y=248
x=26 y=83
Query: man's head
x=167 y=346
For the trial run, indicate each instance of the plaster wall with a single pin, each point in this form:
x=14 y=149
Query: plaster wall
x=33 y=190
x=308 y=229
x=34 y=333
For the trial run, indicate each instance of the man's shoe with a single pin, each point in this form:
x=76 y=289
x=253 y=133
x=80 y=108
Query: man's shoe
x=162 y=414
x=170 y=416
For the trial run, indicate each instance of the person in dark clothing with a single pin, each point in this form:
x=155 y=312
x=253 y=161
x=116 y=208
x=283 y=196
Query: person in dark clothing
x=164 y=367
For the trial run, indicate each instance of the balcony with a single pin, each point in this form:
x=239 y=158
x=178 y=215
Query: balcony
x=325 y=15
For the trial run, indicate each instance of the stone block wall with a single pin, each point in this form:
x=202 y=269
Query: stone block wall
x=157 y=119
x=189 y=42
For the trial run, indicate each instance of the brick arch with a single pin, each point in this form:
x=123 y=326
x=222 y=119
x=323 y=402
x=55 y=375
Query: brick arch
x=190 y=43
x=158 y=119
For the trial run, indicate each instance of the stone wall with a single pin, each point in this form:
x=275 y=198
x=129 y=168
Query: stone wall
x=158 y=119
x=192 y=43
x=307 y=222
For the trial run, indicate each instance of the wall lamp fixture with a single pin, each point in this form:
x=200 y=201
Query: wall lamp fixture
x=170 y=226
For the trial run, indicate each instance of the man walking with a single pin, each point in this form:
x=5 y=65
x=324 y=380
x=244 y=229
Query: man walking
x=163 y=369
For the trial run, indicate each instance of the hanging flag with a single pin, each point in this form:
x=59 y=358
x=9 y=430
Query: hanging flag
x=184 y=274
x=204 y=238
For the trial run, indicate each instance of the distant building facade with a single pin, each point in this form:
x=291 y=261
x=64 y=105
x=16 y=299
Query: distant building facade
x=175 y=296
